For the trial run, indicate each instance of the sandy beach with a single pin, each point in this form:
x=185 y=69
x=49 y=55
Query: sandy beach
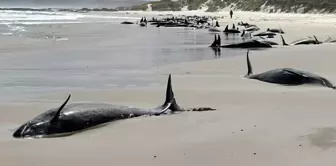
x=255 y=123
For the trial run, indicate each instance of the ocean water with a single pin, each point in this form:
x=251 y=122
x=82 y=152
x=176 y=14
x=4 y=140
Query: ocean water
x=69 y=3
x=54 y=52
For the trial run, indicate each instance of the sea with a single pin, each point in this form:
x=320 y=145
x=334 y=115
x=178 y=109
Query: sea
x=46 y=52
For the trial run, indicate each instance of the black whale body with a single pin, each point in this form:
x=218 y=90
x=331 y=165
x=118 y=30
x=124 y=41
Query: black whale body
x=72 y=118
x=287 y=76
x=330 y=40
x=233 y=30
x=127 y=22
x=246 y=44
x=249 y=44
x=269 y=34
x=275 y=30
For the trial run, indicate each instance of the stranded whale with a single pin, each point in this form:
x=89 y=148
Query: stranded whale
x=301 y=41
x=246 y=44
x=287 y=76
x=72 y=118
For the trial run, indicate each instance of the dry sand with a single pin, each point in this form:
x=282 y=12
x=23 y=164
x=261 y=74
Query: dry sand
x=256 y=123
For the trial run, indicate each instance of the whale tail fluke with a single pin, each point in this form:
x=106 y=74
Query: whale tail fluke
x=283 y=41
x=249 y=66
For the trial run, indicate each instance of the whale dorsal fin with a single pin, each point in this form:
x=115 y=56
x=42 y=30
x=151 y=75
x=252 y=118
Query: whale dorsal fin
x=281 y=31
x=214 y=42
x=242 y=35
x=226 y=28
x=169 y=91
x=170 y=102
x=317 y=41
x=219 y=41
x=57 y=114
x=249 y=66
x=283 y=41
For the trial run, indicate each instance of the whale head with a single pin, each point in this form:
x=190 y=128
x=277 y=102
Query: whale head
x=32 y=129
x=45 y=124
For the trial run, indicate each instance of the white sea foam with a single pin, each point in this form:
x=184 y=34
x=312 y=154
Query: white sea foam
x=7 y=15
x=6 y=34
x=44 y=17
x=46 y=22
x=15 y=28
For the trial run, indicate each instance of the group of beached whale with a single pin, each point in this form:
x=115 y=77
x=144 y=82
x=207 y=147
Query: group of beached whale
x=284 y=76
x=73 y=118
x=77 y=117
x=171 y=21
x=258 y=40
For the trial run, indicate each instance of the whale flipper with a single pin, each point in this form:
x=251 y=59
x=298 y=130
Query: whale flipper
x=57 y=114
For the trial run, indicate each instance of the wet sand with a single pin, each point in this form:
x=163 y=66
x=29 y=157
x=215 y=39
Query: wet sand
x=255 y=123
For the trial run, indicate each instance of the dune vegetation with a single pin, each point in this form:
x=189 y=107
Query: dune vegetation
x=295 y=6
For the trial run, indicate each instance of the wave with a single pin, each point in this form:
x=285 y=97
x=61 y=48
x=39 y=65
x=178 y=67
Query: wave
x=18 y=22
x=50 y=17
x=6 y=15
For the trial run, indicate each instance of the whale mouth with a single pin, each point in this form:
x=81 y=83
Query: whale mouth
x=20 y=132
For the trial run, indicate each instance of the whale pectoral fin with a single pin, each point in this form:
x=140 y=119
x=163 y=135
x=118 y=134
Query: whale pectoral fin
x=57 y=114
x=161 y=110
x=295 y=73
